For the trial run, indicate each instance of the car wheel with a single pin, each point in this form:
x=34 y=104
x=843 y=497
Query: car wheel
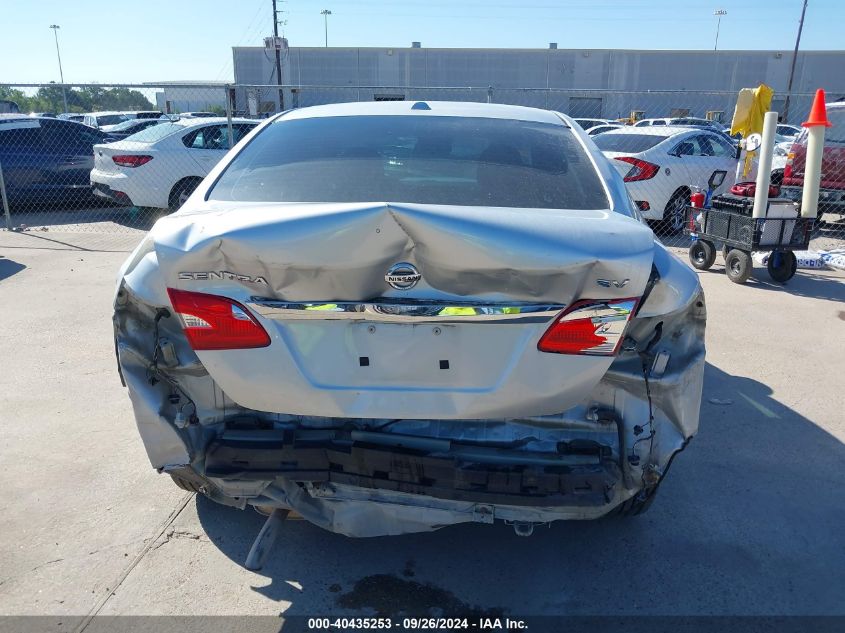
x=738 y=265
x=674 y=214
x=182 y=191
x=702 y=254
x=782 y=266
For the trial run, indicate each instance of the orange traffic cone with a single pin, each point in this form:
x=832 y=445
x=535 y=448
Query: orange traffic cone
x=818 y=113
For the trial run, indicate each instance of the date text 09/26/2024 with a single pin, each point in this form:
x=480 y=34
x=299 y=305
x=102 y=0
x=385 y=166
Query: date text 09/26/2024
x=415 y=624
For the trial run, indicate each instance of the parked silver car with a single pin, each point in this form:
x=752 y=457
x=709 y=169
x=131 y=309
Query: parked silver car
x=393 y=317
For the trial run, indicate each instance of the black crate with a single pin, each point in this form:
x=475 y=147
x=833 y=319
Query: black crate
x=739 y=204
x=738 y=230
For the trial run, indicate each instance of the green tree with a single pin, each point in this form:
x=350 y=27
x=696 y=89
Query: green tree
x=92 y=99
x=10 y=94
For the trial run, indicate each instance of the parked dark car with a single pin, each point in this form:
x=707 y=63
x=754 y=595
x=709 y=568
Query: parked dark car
x=144 y=114
x=47 y=160
x=7 y=106
x=128 y=128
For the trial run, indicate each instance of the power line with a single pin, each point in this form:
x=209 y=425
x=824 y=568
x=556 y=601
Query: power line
x=792 y=68
x=251 y=29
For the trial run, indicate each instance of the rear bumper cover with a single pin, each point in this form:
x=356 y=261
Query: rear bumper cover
x=104 y=191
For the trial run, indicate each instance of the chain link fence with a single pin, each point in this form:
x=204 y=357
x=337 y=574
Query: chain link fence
x=113 y=159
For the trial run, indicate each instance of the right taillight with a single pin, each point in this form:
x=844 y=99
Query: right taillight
x=589 y=327
x=640 y=169
x=132 y=160
x=212 y=322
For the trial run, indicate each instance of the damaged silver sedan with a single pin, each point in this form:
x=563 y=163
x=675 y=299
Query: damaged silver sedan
x=394 y=317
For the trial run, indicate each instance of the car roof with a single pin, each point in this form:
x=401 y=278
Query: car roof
x=186 y=123
x=19 y=121
x=435 y=108
x=661 y=130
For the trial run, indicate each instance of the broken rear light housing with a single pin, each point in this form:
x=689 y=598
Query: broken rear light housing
x=212 y=322
x=590 y=327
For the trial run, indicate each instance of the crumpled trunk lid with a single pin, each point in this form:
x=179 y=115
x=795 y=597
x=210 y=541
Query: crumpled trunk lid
x=344 y=343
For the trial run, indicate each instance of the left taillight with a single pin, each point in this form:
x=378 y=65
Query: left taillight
x=212 y=322
x=131 y=160
x=591 y=327
x=640 y=169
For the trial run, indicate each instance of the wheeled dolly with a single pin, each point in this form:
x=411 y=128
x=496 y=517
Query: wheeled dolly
x=729 y=223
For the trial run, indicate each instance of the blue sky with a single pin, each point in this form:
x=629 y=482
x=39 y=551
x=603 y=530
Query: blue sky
x=180 y=40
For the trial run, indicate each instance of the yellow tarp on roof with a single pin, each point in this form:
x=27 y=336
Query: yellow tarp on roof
x=751 y=105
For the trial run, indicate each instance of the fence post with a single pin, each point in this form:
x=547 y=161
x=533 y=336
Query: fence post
x=229 y=115
x=5 y=199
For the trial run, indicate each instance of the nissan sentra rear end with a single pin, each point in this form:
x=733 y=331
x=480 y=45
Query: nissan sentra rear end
x=395 y=317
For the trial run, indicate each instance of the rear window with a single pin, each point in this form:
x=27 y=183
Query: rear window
x=126 y=125
x=632 y=143
x=110 y=119
x=835 y=134
x=155 y=132
x=19 y=136
x=416 y=159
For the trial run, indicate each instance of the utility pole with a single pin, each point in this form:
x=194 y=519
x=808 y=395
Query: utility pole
x=792 y=68
x=277 y=47
x=326 y=13
x=55 y=28
x=718 y=13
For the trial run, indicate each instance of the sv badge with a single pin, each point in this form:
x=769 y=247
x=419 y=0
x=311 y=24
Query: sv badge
x=608 y=283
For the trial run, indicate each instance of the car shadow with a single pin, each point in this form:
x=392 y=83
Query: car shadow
x=9 y=267
x=748 y=522
x=812 y=283
x=816 y=284
x=83 y=216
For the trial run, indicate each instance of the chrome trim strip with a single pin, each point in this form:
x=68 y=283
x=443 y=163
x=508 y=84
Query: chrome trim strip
x=405 y=311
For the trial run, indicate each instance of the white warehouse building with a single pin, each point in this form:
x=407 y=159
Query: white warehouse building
x=190 y=96
x=586 y=83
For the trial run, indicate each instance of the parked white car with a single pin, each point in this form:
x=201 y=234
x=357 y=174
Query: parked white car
x=788 y=131
x=104 y=120
x=161 y=166
x=779 y=158
x=685 y=121
x=660 y=166
x=601 y=129
x=586 y=124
